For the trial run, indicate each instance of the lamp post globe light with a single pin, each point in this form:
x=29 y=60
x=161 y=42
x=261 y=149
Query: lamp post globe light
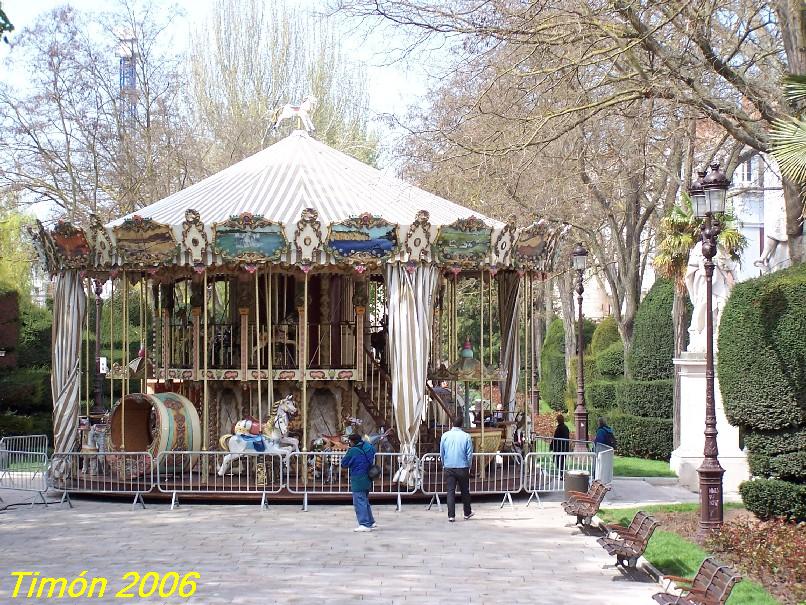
x=708 y=195
x=579 y=260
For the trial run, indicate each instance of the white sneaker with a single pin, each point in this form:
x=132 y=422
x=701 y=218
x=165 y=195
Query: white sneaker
x=374 y=526
x=362 y=528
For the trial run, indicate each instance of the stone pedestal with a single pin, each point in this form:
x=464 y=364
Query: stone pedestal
x=687 y=458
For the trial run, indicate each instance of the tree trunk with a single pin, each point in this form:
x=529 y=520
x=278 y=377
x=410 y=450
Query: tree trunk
x=565 y=285
x=540 y=319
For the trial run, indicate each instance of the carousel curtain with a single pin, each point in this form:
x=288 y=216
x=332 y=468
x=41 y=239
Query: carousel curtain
x=411 y=313
x=508 y=306
x=69 y=306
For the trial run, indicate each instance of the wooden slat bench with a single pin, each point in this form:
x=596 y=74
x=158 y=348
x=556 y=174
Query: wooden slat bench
x=711 y=585
x=631 y=545
x=584 y=506
x=631 y=529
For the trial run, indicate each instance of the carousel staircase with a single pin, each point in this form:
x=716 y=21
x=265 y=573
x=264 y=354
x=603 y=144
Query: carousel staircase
x=375 y=394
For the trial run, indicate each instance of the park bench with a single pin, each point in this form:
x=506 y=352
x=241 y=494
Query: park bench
x=631 y=545
x=711 y=585
x=584 y=506
x=630 y=530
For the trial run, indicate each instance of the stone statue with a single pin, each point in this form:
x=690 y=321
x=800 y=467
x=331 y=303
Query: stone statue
x=774 y=234
x=722 y=284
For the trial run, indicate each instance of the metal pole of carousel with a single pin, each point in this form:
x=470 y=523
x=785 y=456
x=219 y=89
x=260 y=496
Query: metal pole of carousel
x=303 y=347
x=481 y=356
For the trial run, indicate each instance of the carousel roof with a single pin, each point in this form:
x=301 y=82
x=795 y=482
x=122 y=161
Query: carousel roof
x=300 y=172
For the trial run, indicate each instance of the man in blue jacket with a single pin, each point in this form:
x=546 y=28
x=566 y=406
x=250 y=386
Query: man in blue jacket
x=358 y=459
x=456 y=450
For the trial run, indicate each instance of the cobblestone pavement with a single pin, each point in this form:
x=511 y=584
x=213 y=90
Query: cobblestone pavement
x=284 y=555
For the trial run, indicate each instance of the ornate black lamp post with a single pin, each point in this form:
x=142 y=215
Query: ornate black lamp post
x=579 y=259
x=708 y=194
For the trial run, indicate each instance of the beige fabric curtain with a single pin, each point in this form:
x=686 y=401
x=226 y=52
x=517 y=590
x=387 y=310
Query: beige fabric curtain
x=508 y=309
x=411 y=313
x=69 y=307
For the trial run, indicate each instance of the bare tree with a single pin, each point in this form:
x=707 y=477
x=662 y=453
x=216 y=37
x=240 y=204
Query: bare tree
x=74 y=136
x=722 y=61
x=251 y=56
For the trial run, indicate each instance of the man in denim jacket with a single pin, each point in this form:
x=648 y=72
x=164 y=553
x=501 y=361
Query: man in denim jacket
x=358 y=459
x=456 y=450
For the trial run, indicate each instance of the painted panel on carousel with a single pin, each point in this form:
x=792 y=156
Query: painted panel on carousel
x=505 y=244
x=44 y=247
x=194 y=239
x=364 y=237
x=101 y=243
x=144 y=241
x=466 y=241
x=71 y=245
x=532 y=244
x=249 y=238
x=419 y=238
x=308 y=237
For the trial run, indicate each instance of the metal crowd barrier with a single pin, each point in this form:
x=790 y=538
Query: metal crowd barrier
x=24 y=471
x=321 y=473
x=604 y=464
x=198 y=473
x=545 y=472
x=490 y=473
x=37 y=444
x=106 y=473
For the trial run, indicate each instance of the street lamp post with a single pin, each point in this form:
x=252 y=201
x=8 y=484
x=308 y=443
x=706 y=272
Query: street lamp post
x=579 y=259
x=708 y=194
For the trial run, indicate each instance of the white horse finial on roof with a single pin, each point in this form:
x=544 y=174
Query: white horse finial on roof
x=302 y=111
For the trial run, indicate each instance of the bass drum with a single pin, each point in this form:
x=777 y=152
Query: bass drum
x=157 y=423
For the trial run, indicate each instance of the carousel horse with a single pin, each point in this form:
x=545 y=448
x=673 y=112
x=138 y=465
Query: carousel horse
x=302 y=111
x=252 y=438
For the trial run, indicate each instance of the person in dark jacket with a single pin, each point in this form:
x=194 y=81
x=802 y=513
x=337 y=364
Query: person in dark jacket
x=358 y=459
x=604 y=434
x=560 y=443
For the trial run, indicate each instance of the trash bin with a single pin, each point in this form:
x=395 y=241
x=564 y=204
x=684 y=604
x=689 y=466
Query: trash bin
x=576 y=481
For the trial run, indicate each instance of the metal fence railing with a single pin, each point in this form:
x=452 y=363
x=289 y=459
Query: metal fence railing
x=604 y=463
x=107 y=473
x=490 y=473
x=545 y=472
x=198 y=473
x=25 y=443
x=24 y=471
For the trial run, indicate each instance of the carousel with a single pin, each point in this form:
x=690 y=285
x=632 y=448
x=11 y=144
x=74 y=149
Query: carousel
x=291 y=299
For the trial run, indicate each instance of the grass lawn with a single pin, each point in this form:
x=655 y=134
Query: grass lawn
x=624 y=466
x=673 y=555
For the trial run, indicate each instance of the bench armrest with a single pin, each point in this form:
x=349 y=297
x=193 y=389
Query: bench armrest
x=679 y=579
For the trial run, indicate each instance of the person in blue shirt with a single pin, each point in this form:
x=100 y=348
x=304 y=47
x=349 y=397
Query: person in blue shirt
x=358 y=459
x=456 y=451
x=604 y=434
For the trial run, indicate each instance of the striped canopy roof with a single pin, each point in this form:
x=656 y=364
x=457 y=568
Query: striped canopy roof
x=300 y=172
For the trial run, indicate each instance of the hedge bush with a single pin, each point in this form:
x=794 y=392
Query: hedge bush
x=653 y=334
x=552 y=366
x=642 y=437
x=774 y=498
x=601 y=394
x=762 y=352
x=33 y=347
x=605 y=334
x=610 y=362
x=647 y=398
x=762 y=376
x=26 y=390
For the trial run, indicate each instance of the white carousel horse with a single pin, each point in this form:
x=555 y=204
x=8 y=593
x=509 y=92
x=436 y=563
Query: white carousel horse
x=273 y=437
x=302 y=111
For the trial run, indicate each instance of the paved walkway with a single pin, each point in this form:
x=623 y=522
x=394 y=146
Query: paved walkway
x=283 y=555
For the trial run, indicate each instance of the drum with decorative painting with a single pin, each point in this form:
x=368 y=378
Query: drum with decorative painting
x=157 y=423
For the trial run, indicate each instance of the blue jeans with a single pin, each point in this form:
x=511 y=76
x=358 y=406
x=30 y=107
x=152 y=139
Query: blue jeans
x=363 y=511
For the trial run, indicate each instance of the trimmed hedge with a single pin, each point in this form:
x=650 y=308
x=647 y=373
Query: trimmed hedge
x=653 y=334
x=605 y=334
x=774 y=498
x=642 y=437
x=762 y=376
x=647 y=398
x=601 y=394
x=33 y=347
x=610 y=362
x=26 y=390
x=552 y=366
x=762 y=352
